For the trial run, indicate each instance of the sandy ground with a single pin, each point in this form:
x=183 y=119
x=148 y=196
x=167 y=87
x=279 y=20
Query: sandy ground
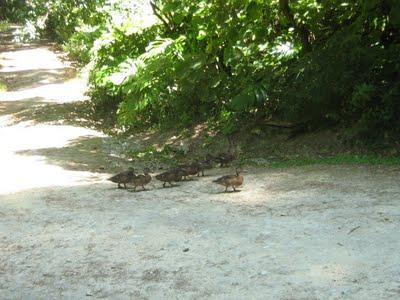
x=66 y=233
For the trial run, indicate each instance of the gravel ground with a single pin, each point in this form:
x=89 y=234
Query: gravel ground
x=66 y=233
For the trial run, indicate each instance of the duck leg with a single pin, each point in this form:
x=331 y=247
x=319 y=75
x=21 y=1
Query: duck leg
x=226 y=189
x=143 y=187
x=124 y=185
x=134 y=188
x=233 y=188
x=119 y=185
x=163 y=185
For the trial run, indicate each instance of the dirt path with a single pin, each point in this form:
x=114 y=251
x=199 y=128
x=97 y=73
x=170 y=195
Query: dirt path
x=302 y=233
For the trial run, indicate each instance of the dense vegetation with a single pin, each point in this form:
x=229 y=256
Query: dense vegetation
x=228 y=62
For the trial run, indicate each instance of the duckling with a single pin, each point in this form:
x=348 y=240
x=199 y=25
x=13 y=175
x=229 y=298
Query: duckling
x=225 y=158
x=210 y=157
x=231 y=180
x=170 y=176
x=182 y=169
x=191 y=169
x=205 y=165
x=142 y=179
x=123 y=177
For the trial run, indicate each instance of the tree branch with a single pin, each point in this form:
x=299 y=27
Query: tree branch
x=301 y=30
x=157 y=13
x=221 y=64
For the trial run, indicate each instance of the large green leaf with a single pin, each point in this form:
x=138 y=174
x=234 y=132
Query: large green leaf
x=249 y=97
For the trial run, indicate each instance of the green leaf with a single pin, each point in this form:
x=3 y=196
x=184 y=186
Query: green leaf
x=254 y=94
x=201 y=35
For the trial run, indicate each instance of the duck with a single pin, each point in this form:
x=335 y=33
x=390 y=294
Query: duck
x=224 y=158
x=231 y=180
x=123 y=177
x=205 y=164
x=141 y=179
x=169 y=176
x=190 y=169
x=181 y=169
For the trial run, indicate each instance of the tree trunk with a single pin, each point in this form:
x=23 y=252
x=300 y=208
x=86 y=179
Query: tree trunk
x=302 y=32
x=164 y=19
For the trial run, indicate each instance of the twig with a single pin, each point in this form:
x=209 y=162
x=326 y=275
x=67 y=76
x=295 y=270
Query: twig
x=354 y=229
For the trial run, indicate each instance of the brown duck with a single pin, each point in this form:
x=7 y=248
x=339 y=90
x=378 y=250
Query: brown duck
x=233 y=181
x=224 y=158
x=141 y=180
x=205 y=165
x=123 y=177
x=181 y=169
x=173 y=175
x=190 y=169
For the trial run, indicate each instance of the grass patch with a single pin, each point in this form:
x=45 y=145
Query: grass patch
x=3 y=86
x=166 y=154
x=4 y=25
x=340 y=159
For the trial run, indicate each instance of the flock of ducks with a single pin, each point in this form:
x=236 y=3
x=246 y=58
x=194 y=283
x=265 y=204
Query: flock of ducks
x=182 y=173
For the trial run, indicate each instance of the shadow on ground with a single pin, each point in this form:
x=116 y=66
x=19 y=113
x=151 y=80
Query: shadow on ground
x=8 y=43
x=85 y=153
x=14 y=107
x=29 y=79
x=75 y=113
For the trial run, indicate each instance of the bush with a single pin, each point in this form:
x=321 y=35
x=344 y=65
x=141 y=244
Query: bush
x=81 y=42
x=230 y=63
x=13 y=10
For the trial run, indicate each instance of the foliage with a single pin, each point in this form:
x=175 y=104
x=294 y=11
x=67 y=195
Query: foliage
x=3 y=86
x=4 y=25
x=13 y=10
x=339 y=159
x=234 y=62
x=81 y=42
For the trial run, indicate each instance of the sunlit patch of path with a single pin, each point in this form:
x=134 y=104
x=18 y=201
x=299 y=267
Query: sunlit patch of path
x=34 y=76
x=43 y=75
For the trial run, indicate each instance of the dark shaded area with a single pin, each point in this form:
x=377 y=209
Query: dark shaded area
x=8 y=44
x=74 y=113
x=83 y=154
x=28 y=79
x=37 y=110
x=13 y=107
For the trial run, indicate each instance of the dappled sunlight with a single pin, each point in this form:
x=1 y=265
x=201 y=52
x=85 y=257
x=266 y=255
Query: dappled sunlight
x=36 y=77
x=39 y=73
x=82 y=154
x=33 y=172
x=23 y=172
x=68 y=91
x=31 y=59
x=12 y=107
x=23 y=136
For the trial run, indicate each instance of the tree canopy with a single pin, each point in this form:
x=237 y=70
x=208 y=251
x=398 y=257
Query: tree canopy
x=180 y=62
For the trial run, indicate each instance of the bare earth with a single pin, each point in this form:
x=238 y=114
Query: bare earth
x=65 y=232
